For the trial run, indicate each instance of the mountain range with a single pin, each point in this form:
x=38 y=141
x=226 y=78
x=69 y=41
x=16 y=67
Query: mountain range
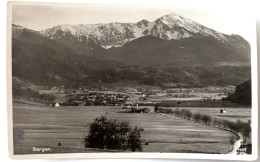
x=94 y=52
x=116 y=34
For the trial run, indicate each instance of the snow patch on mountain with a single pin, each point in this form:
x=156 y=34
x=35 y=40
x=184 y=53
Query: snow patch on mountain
x=116 y=34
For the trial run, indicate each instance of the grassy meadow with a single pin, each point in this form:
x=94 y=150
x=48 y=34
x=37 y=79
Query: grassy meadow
x=45 y=126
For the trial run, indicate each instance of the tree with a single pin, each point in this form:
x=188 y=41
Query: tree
x=112 y=134
x=156 y=107
x=188 y=114
x=97 y=133
x=206 y=119
x=232 y=139
x=197 y=117
x=246 y=130
x=176 y=112
x=134 y=141
x=182 y=113
x=225 y=123
x=216 y=122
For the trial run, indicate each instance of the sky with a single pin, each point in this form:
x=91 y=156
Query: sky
x=228 y=17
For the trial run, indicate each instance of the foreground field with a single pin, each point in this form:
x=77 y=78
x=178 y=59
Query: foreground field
x=43 y=126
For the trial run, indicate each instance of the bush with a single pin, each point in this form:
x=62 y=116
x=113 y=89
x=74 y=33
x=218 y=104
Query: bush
x=197 y=117
x=246 y=130
x=182 y=113
x=156 y=107
x=134 y=141
x=232 y=139
x=186 y=114
x=111 y=134
x=176 y=112
x=216 y=122
x=206 y=119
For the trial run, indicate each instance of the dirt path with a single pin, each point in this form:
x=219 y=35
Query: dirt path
x=236 y=145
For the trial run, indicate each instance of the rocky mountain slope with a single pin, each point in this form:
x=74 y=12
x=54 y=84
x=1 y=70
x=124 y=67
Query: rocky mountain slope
x=90 y=37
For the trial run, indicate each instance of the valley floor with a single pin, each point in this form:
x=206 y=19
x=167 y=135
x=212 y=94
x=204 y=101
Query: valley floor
x=43 y=126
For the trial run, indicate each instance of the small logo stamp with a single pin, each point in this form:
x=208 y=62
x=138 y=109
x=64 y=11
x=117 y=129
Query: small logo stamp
x=241 y=150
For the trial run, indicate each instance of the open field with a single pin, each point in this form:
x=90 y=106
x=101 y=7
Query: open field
x=196 y=96
x=43 y=126
x=232 y=114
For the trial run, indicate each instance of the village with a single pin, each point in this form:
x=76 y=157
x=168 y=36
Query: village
x=135 y=98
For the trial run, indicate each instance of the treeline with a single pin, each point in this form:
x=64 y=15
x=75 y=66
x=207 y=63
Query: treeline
x=31 y=94
x=235 y=127
x=242 y=94
x=195 y=103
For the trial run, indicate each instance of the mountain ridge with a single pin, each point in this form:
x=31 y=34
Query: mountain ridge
x=38 y=59
x=116 y=34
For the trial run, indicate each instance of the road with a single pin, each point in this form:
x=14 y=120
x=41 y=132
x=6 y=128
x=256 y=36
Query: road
x=236 y=145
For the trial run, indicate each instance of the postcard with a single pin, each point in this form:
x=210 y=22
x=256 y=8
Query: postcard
x=131 y=80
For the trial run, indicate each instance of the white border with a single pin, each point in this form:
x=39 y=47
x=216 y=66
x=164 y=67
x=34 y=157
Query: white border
x=156 y=155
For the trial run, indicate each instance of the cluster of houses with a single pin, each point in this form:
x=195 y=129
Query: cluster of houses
x=134 y=108
x=94 y=99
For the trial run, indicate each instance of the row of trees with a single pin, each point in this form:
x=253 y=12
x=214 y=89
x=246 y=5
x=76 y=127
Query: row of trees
x=31 y=94
x=113 y=134
x=236 y=127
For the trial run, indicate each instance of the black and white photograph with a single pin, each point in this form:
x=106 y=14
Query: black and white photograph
x=131 y=80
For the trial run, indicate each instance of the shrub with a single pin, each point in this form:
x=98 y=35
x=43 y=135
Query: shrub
x=176 y=112
x=246 y=130
x=216 y=122
x=206 y=119
x=156 y=107
x=134 y=141
x=225 y=123
x=197 y=117
x=188 y=114
x=232 y=139
x=182 y=113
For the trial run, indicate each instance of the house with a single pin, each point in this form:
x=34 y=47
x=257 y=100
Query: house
x=56 y=104
x=54 y=88
x=222 y=111
x=140 y=110
x=128 y=105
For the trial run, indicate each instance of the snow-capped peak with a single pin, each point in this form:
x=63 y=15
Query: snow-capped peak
x=116 y=34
